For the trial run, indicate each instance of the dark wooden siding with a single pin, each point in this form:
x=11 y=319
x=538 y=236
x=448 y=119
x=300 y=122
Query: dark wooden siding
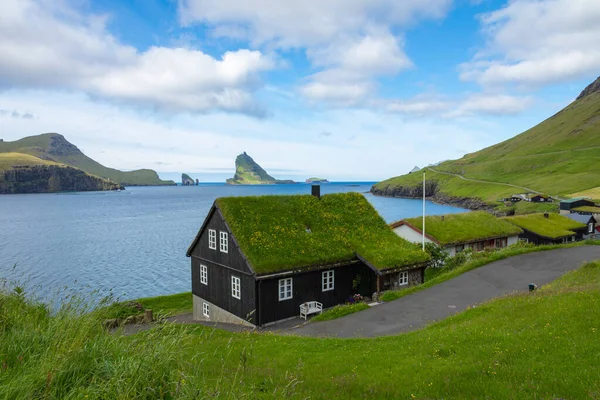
x=536 y=239
x=233 y=258
x=575 y=204
x=218 y=290
x=307 y=286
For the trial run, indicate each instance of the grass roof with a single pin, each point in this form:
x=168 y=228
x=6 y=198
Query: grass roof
x=465 y=227
x=589 y=209
x=553 y=227
x=277 y=233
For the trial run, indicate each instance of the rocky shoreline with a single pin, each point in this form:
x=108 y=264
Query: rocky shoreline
x=432 y=193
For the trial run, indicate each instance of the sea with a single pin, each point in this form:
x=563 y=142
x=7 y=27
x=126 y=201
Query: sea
x=132 y=243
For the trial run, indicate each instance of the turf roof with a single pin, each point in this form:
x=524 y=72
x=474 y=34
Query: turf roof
x=553 y=227
x=464 y=228
x=278 y=233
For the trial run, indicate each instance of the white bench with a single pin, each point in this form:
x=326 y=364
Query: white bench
x=310 y=307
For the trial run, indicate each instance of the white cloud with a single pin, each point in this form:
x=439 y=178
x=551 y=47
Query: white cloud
x=49 y=45
x=201 y=143
x=534 y=42
x=490 y=104
x=349 y=42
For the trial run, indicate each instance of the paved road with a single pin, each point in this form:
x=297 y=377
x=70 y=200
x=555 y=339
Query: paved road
x=419 y=309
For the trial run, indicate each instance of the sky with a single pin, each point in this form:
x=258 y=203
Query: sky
x=340 y=89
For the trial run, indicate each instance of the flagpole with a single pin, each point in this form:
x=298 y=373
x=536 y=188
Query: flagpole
x=423 y=210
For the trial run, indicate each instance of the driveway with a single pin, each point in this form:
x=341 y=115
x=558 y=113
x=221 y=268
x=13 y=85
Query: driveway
x=445 y=299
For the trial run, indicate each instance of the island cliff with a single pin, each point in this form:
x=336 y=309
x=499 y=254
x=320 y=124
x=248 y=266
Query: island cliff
x=186 y=180
x=248 y=172
x=50 y=178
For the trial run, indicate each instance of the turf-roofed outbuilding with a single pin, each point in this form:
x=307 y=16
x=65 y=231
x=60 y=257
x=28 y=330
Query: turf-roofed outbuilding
x=548 y=228
x=257 y=259
x=476 y=230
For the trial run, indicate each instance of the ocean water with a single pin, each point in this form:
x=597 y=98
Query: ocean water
x=130 y=243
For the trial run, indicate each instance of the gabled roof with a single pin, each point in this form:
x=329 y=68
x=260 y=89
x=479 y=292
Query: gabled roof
x=584 y=219
x=461 y=228
x=555 y=226
x=279 y=233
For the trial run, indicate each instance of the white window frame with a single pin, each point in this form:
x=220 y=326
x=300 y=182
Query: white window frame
x=403 y=278
x=203 y=274
x=327 y=280
x=212 y=239
x=205 y=310
x=591 y=227
x=223 y=242
x=236 y=287
x=286 y=289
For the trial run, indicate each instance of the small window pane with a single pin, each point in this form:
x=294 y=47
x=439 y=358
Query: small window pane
x=223 y=242
x=285 y=289
x=205 y=310
x=203 y=274
x=212 y=239
x=327 y=280
x=235 y=287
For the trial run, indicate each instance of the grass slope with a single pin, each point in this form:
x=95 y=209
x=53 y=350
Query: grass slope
x=12 y=159
x=555 y=226
x=282 y=232
x=539 y=345
x=560 y=156
x=54 y=147
x=466 y=227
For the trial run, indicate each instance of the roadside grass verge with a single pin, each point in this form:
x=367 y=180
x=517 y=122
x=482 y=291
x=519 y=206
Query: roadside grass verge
x=435 y=276
x=168 y=305
x=543 y=344
x=339 y=311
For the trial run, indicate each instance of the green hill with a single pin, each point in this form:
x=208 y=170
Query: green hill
x=560 y=156
x=248 y=172
x=54 y=147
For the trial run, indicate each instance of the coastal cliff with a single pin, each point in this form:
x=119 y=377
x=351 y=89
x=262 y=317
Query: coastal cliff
x=50 y=178
x=432 y=193
x=186 y=180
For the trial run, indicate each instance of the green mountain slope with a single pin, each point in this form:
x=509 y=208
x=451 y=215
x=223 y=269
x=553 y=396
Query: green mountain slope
x=248 y=172
x=560 y=156
x=54 y=147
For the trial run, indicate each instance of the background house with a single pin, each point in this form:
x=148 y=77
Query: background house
x=548 y=228
x=571 y=205
x=477 y=230
x=255 y=260
x=540 y=198
x=593 y=229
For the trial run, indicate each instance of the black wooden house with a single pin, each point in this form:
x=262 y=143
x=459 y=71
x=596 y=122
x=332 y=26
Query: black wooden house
x=255 y=260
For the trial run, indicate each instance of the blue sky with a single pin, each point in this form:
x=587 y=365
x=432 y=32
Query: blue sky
x=345 y=89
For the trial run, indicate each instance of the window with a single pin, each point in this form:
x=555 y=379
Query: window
x=212 y=239
x=235 y=287
x=203 y=274
x=327 y=279
x=285 y=289
x=205 y=310
x=403 y=278
x=223 y=243
x=591 y=227
x=460 y=248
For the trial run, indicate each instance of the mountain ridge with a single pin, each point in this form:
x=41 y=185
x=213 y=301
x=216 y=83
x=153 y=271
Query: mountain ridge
x=55 y=147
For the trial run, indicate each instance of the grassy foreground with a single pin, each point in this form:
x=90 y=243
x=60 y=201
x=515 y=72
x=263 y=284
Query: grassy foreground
x=168 y=305
x=540 y=345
